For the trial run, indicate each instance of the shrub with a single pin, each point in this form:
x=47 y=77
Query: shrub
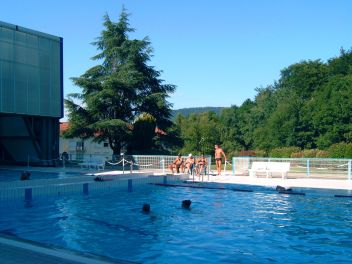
x=297 y=155
x=322 y=154
x=261 y=153
x=247 y=153
x=348 y=150
x=309 y=153
x=233 y=153
x=340 y=150
x=284 y=152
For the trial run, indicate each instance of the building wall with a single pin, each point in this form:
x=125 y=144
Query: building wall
x=30 y=72
x=31 y=95
x=78 y=148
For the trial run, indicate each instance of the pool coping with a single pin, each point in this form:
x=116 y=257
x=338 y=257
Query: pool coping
x=45 y=253
x=287 y=183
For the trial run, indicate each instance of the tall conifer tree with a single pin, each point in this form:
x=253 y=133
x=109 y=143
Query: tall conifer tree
x=119 y=89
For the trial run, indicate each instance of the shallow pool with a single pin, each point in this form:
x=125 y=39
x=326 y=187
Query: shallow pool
x=221 y=226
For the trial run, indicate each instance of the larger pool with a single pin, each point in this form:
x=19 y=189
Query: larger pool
x=221 y=226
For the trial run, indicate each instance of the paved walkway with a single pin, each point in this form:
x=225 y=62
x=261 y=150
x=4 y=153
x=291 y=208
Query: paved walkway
x=228 y=178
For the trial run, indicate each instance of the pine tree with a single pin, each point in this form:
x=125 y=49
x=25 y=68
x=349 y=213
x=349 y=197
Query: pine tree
x=119 y=89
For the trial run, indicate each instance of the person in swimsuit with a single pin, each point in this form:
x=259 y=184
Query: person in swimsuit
x=201 y=163
x=218 y=158
x=177 y=164
x=189 y=163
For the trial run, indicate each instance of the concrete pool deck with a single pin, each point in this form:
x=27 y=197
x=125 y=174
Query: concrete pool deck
x=301 y=183
x=325 y=182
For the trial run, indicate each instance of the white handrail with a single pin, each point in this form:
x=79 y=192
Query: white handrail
x=226 y=162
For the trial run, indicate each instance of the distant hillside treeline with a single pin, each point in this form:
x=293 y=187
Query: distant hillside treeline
x=307 y=112
x=196 y=110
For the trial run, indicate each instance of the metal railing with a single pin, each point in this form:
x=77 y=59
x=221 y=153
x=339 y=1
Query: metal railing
x=301 y=167
x=130 y=163
x=156 y=163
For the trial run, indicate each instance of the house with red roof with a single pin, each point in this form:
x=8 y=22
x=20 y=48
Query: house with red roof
x=76 y=148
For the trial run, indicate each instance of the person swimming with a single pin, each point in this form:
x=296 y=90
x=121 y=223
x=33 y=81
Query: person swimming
x=25 y=175
x=282 y=189
x=146 y=208
x=186 y=204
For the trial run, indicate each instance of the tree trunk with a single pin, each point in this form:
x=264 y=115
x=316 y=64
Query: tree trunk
x=116 y=150
x=115 y=146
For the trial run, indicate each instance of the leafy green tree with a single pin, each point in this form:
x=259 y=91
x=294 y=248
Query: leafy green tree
x=143 y=134
x=286 y=123
x=304 y=77
x=200 y=132
x=331 y=112
x=342 y=65
x=245 y=124
x=283 y=152
x=118 y=89
x=308 y=107
x=169 y=143
x=231 y=136
x=340 y=150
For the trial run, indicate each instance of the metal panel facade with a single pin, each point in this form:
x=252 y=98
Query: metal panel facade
x=31 y=75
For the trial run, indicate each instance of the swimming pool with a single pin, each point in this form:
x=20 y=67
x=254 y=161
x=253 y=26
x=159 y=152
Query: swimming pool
x=222 y=225
x=7 y=175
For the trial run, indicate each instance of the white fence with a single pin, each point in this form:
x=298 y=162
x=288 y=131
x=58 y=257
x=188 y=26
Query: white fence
x=155 y=163
x=300 y=168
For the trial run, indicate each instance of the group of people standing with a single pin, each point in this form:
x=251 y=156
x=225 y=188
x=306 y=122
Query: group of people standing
x=200 y=164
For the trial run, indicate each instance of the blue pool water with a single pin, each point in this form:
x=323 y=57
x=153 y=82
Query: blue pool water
x=15 y=175
x=221 y=226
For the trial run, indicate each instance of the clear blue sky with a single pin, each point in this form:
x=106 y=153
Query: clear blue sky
x=215 y=52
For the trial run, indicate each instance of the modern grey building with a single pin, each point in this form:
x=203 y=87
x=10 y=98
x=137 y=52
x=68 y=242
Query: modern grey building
x=31 y=95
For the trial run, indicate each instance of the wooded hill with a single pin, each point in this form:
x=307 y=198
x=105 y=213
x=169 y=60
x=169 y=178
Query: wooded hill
x=196 y=110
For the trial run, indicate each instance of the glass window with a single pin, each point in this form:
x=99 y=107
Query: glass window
x=6 y=34
x=44 y=44
x=32 y=41
x=44 y=60
x=32 y=57
x=20 y=54
x=7 y=85
x=20 y=38
x=33 y=90
x=79 y=145
x=6 y=51
x=30 y=73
